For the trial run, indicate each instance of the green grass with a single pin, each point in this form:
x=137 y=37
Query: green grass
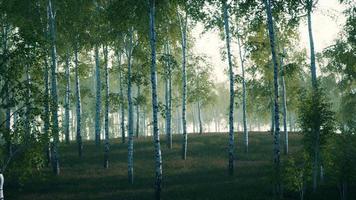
x=202 y=176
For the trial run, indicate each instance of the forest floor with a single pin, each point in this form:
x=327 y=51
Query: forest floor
x=202 y=176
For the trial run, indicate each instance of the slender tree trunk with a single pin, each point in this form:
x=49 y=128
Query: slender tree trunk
x=7 y=85
x=193 y=117
x=28 y=105
x=46 y=113
x=301 y=194
x=144 y=122
x=138 y=112
x=183 y=27
x=66 y=101
x=344 y=190
x=316 y=164
x=284 y=100
x=321 y=172
x=166 y=88
x=2 y=180
x=78 y=102
x=157 y=147
x=73 y=119
x=130 y=109
x=106 y=123
x=122 y=106
x=231 y=79
x=178 y=120
x=244 y=115
x=98 y=96
x=169 y=116
x=54 y=93
x=290 y=122
x=90 y=128
x=216 y=124
x=168 y=98
x=276 y=106
x=199 y=118
x=314 y=85
x=311 y=43
x=219 y=126
x=273 y=127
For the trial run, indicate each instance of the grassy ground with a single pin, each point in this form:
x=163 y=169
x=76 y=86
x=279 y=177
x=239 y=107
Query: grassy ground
x=202 y=176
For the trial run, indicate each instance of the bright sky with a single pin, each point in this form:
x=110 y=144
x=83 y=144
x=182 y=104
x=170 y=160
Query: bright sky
x=327 y=21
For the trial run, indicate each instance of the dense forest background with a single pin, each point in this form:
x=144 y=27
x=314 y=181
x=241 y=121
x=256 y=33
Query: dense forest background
x=77 y=71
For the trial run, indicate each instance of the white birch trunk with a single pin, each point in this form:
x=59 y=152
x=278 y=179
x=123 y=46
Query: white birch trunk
x=78 y=102
x=66 y=101
x=277 y=183
x=315 y=85
x=284 y=100
x=6 y=85
x=138 y=112
x=199 y=119
x=121 y=93
x=231 y=79
x=157 y=147
x=46 y=111
x=183 y=28
x=244 y=114
x=130 y=108
x=98 y=96
x=2 y=180
x=168 y=98
x=106 y=122
x=54 y=93
x=311 y=43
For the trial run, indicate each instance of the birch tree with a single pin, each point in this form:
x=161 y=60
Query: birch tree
x=27 y=104
x=169 y=64
x=244 y=112
x=5 y=36
x=232 y=93
x=121 y=94
x=106 y=152
x=66 y=100
x=157 y=146
x=138 y=108
x=97 y=95
x=46 y=93
x=128 y=51
x=267 y=4
x=183 y=23
x=309 y=6
x=78 y=101
x=1 y=186
x=168 y=91
x=284 y=104
x=46 y=105
x=97 y=79
x=54 y=93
